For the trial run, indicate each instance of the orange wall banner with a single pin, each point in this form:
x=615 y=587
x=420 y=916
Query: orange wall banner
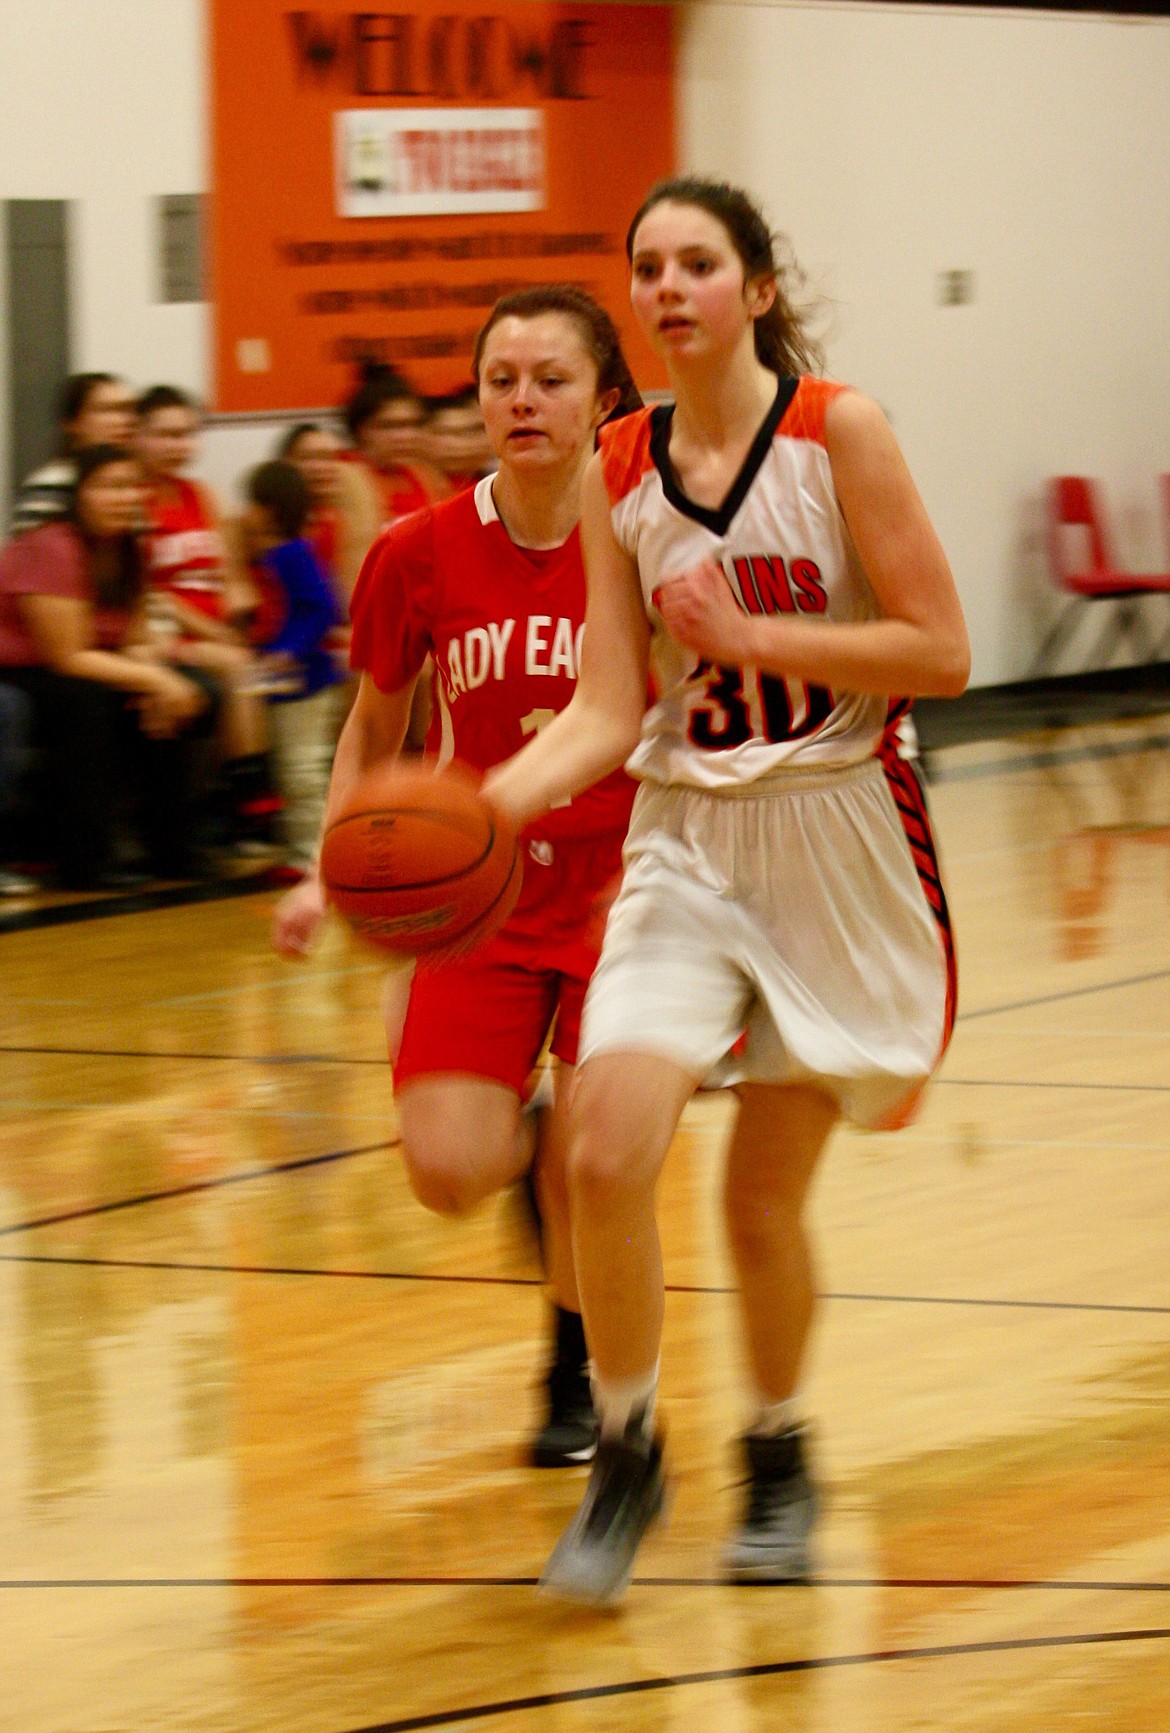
x=380 y=178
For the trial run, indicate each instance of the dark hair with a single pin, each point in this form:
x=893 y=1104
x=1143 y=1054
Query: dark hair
x=783 y=342
x=461 y=398
x=92 y=457
x=289 y=441
x=73 y=400
x=76 y=392
x=283 y=492
x=597 y=330
x=119 y=585
x=164 y=397
x=380 y=384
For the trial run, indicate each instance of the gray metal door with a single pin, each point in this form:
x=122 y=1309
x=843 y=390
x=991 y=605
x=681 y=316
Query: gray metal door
x=38 y=327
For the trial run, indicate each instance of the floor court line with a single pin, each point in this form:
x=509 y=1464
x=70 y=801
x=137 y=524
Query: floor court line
x=211 y=1058
x=1066 y=993
x=182 y=1266
x=993 y=1304
x=441 y=1278
x=138 y=903
x=1047 y=1031
x=1043 y=760
x=196 y=1186
x=932 y=1138
x=294 y=1059
x=1027 y=1083
x=963 y=1017
x=763 y=1670
x=963 y=1585
x=245 y=1109
x=275 y=982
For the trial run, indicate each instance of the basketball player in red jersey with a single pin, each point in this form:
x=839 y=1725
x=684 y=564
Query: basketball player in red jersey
x=197 y=592
x=490 y=585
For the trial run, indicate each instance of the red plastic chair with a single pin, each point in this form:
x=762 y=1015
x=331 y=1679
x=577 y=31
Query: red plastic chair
x=1075 y=502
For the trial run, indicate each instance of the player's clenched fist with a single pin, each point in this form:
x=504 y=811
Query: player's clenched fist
x=700 y=611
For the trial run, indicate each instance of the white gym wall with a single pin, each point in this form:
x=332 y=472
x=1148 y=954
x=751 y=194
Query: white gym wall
x=893 y=143
x=896 y=143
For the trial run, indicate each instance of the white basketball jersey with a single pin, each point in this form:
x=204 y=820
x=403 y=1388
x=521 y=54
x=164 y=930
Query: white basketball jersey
x=782 y=542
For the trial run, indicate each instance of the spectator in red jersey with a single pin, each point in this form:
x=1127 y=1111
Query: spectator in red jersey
x=111 y=718
x=95 y=409
x=198 y=595
x=457 y=441
x=344 y=503
x=490 y=583
x=387 y=422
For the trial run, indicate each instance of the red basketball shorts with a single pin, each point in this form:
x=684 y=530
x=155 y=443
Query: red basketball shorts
x=488 y=1014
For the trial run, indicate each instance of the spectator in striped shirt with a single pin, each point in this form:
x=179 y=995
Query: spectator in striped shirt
x=94 y=409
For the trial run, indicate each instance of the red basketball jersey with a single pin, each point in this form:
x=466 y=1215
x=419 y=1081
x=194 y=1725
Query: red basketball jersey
x=403 y=488
x=401 y=491
x=184 y=549
x=504 y=625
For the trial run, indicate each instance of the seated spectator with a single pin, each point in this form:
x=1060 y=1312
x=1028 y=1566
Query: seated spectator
x=345 y=508
x=387 y=422
x=15 y=717
x=457 y=442
x=196 y=595
x=110 y=717
x=301 y=612
x=95 y=409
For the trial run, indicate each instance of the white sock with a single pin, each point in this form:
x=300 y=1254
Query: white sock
x=773 y=1418
x=619 y=1399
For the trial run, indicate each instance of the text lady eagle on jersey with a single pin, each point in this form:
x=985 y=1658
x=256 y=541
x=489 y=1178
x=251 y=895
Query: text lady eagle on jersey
x=504 y=625
x=551 y=647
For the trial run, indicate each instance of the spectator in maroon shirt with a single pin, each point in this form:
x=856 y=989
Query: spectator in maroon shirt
x=110 y=716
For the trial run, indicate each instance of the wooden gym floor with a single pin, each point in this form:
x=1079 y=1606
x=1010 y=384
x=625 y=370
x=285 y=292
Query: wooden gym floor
x=262 y=1418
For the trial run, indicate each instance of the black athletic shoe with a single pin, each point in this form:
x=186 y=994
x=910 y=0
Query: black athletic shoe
x=594 y=1558
x=568 y=1437
x=771 y=1544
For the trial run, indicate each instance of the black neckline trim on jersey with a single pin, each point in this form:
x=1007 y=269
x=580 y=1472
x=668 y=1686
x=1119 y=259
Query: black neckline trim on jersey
x=718 y=519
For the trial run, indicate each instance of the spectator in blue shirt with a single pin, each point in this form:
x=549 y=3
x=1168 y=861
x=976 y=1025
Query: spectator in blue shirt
x=299 y=614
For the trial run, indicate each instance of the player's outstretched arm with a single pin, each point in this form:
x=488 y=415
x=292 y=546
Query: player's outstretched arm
x=600 y=727
x=374 y=731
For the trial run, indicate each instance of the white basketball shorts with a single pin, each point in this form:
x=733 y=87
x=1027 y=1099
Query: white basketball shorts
x=789 y=932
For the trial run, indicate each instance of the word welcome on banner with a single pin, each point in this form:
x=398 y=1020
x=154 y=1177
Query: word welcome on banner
x=381 y=178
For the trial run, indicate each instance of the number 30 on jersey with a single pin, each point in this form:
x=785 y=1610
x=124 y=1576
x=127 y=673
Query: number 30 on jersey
x=734 y=705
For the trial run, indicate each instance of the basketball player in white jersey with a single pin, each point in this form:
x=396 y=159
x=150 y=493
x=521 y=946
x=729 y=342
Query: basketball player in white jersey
x=760 y=547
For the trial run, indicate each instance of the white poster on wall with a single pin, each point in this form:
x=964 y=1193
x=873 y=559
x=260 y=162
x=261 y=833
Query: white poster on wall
x=418 y=162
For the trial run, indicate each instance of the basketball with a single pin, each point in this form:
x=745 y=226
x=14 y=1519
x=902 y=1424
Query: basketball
x=417 y=862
